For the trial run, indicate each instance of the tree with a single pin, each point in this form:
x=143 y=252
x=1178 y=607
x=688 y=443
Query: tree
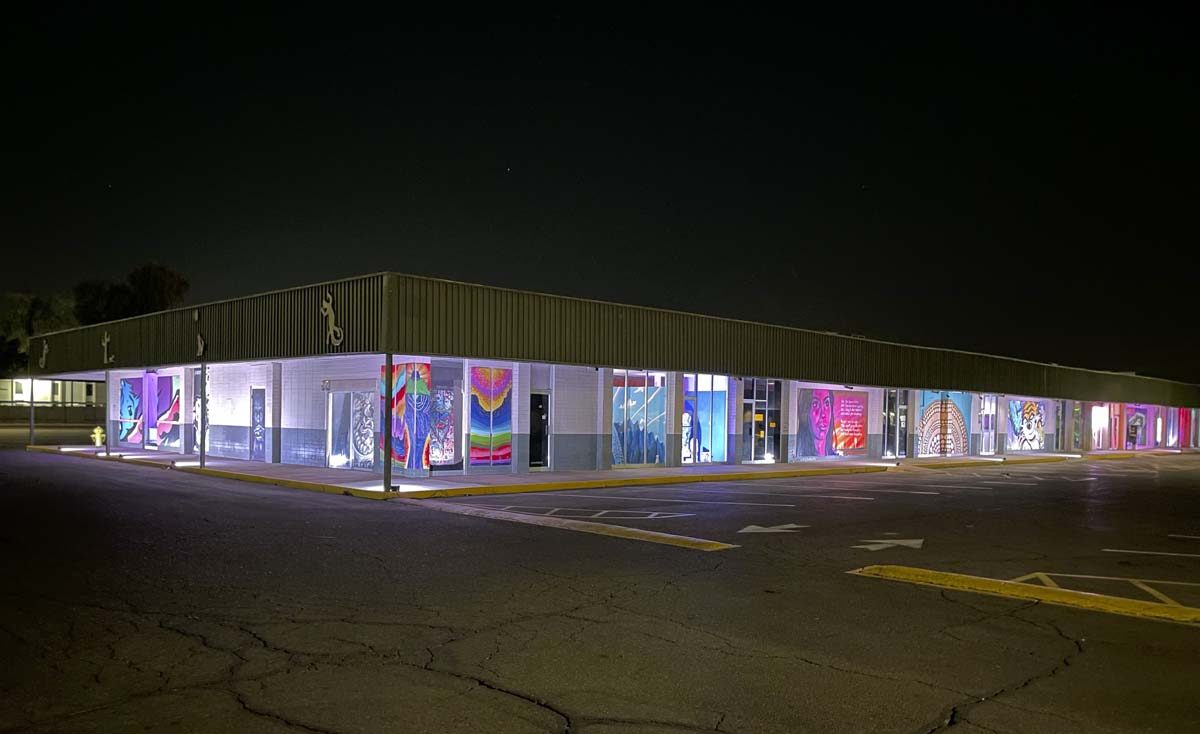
x=147 y=288
x=23 y=315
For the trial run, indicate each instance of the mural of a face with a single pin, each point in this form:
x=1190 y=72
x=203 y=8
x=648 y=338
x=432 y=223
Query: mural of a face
x=820 y=415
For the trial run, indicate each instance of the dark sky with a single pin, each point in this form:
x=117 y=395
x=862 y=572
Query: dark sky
x=1020 y=182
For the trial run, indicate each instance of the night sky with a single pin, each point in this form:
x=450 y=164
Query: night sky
x=1014 y=182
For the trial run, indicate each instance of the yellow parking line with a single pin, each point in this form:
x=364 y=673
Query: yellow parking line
x=1014 y=590
x=1154 y=592
x=582 y=526
x=1046 y=580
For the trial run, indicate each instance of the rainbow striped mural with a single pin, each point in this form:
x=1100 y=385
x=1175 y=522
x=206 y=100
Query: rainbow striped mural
x=491 y=416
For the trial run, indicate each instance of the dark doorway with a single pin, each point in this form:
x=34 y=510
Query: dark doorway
x=539 y=430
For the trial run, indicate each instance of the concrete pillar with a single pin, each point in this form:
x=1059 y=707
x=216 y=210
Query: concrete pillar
x=277 y=412
x=604 y=418
x=674 y=439
x=520 y=417
x=786 y=426
x=386 y=420
x=32 y=432
x=203 y=413
x=734 y=430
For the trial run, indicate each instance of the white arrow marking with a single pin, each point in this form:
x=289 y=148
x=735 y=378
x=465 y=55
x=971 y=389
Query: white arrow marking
x=874 y=545
x=786 y=528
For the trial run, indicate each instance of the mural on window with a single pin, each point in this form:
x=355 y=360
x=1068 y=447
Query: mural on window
x=639 y=401
x=130 y=418
x=410 y=414
x=704 y=423
x=1026 y=425
x=831 y=422
x=443 y=438
x=258 y=424
x=165 y=431
x=942 y=429
x=491 y=416
x=1137 y=434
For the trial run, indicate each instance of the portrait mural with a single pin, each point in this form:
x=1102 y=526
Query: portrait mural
x=830 y=423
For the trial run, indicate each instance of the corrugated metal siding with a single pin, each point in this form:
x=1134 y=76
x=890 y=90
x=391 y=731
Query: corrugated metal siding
x=457 y=319
x=437 y=317
x=268 y=326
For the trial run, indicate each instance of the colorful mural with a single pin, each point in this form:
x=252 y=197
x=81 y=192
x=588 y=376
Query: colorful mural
x=704 y=424
x=942 y=428
x=410 y=414
x=1026 y=425
x=491 y=416
x=831 y=423
x=443 y=438
x=130 y=418
x=258 y=424
x=167 y=406
x=1137 y=433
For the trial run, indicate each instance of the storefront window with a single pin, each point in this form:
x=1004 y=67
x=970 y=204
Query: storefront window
x=704 y=423
x=639 y=404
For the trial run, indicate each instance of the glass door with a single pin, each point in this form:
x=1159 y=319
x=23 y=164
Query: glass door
x=539 y=430
x=895 y=424
x=760 y=420
x=350 y=430
x=987 y=425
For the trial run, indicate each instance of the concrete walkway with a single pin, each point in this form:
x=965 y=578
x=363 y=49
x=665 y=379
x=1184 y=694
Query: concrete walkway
x=368 y=485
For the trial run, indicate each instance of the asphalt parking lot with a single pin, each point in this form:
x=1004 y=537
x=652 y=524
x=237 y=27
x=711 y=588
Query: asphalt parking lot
x=143 y=598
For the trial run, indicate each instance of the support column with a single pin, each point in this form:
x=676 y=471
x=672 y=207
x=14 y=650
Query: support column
x=276 y=412
x=604 y=418
x=107 y=408
x=733 y=454
x=388 y=379
x=203 y=440
x=785 y=421
x=32 y=432
x=674 y=439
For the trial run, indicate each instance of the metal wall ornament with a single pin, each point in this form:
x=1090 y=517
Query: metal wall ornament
x=333 y=332
x=108 y=358
x=45 y=351
x=200 y=343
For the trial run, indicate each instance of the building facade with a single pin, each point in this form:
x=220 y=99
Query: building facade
x=401 y=375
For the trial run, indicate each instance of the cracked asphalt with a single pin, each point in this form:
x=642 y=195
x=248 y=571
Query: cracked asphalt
x=150 y=600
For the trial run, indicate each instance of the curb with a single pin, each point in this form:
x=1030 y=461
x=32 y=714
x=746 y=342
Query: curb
x=520 y=488
x=290 y=483
x=1018 y=590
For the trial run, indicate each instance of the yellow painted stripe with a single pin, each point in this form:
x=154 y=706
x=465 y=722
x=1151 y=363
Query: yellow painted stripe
x=290 y=483
x=582 y=526
x=1011 y=460
x=1105 y=457
x=1013 y=590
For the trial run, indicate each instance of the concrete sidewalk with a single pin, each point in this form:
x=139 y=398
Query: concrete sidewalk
x=370 y=486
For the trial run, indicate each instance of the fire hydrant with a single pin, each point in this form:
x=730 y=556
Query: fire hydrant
x=98 y=436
